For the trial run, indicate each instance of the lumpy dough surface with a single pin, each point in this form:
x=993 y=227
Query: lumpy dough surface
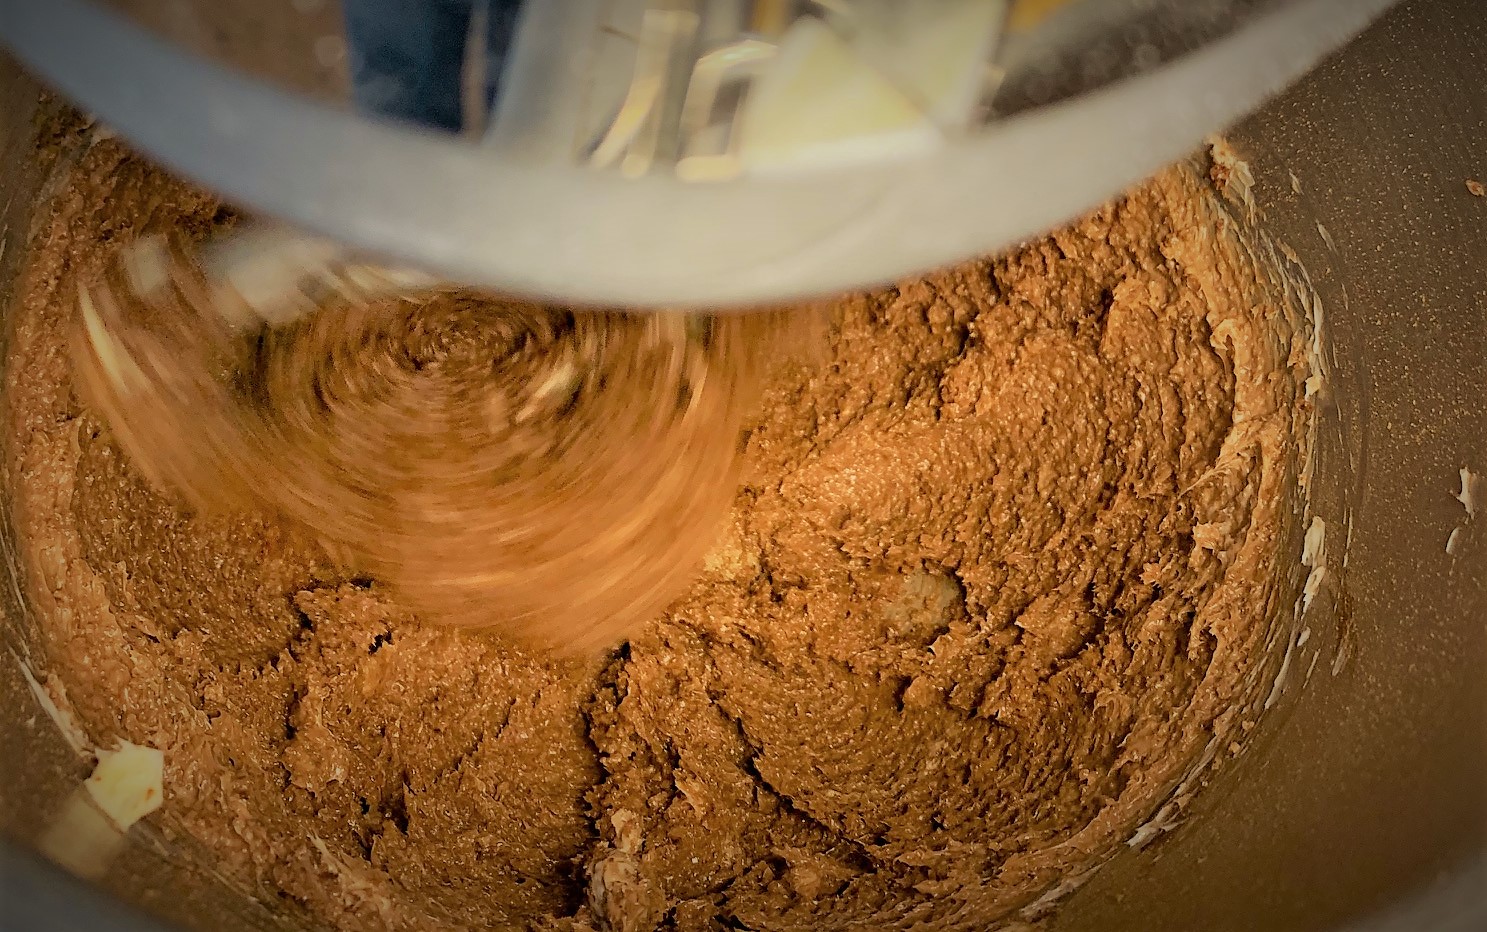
x=1001 y=569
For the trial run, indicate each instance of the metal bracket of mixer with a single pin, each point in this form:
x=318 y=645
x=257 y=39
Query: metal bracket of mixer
x=687 y=55
x=708 y=90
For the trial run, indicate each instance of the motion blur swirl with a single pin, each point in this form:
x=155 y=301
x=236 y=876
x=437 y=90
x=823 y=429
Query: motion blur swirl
x=557 y=472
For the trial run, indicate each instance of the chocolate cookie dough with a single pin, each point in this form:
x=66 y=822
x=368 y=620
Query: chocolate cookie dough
x=999 y=573
x=496 y=463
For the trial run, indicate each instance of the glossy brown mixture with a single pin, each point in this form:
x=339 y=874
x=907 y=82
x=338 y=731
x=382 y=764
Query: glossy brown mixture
x=1001 y=569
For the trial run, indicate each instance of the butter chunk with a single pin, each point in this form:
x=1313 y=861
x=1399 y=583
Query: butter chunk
x=128 y=783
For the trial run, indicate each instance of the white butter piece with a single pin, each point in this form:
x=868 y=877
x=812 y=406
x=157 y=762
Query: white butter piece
x=906 y=76
x=820 y=103
x=128 y=783
x=88 y=833
x=1471 y=488
x=1316 y=537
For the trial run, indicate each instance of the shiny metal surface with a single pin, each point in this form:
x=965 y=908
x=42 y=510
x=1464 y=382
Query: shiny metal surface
x=544 y=228
x=1362 y=804
x=1375 y=785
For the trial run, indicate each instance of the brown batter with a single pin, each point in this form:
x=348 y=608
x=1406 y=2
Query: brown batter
x=495 y=462
x=1001 y=567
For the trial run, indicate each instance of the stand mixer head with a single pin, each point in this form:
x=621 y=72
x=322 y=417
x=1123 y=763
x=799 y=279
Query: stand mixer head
x=847 y=143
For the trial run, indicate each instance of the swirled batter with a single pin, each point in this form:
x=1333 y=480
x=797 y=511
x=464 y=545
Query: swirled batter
x=1000 y=570
x=557 y=473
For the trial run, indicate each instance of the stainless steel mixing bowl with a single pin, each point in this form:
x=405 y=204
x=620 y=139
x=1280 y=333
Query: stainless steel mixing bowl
x=1362 y=802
